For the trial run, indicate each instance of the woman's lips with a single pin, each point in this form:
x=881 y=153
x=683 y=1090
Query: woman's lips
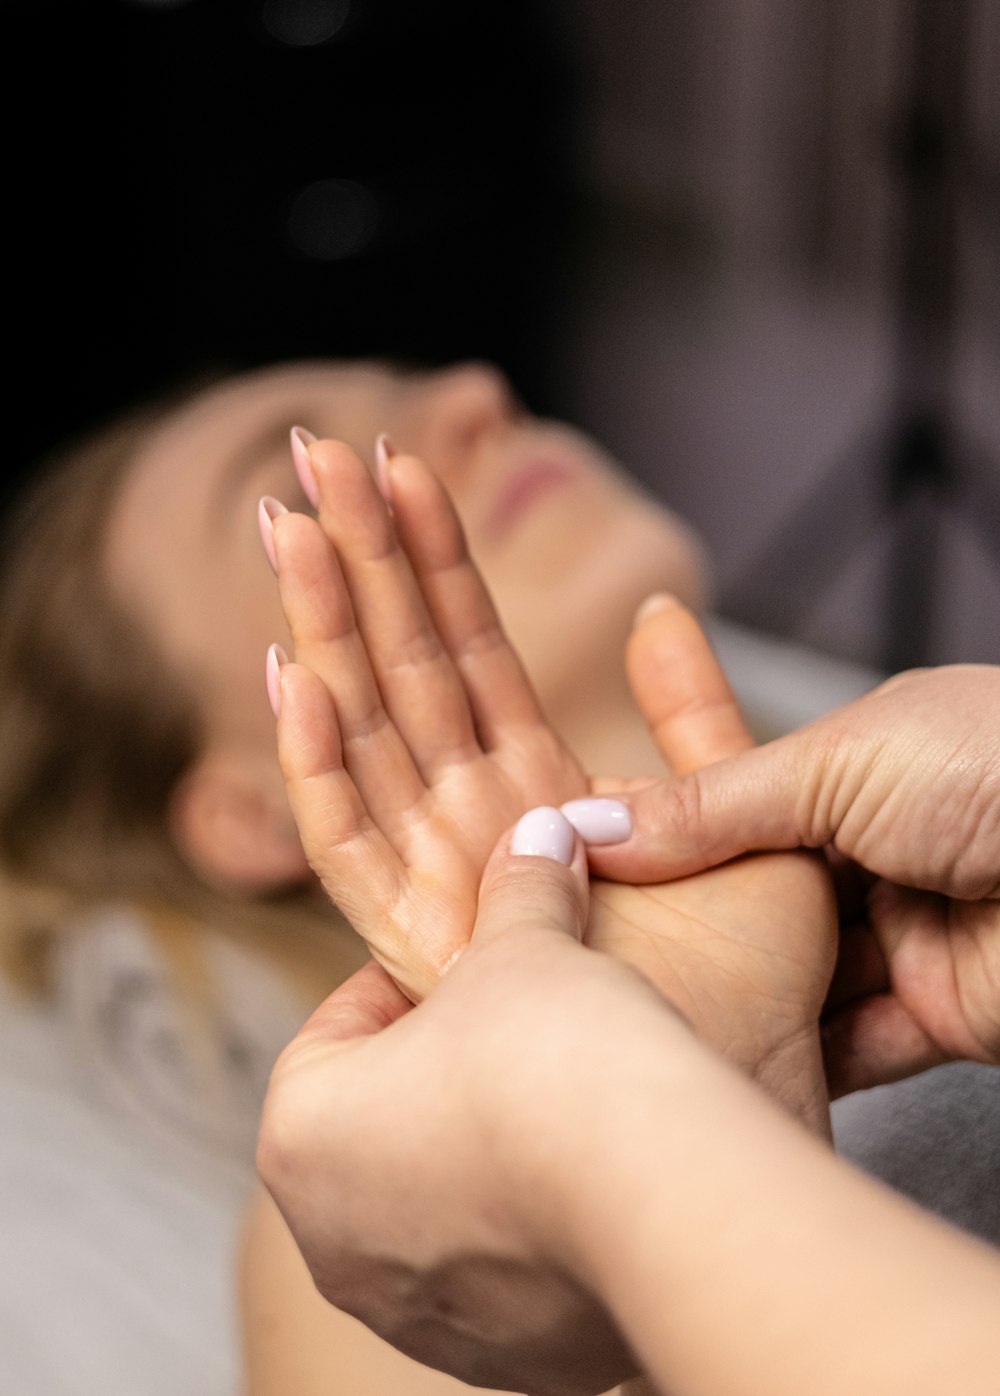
x=530 y=484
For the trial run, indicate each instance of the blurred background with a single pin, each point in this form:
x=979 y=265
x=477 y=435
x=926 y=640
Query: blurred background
x=752 y=247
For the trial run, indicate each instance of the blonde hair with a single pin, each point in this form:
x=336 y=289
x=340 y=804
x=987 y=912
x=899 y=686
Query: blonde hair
x=96 y=730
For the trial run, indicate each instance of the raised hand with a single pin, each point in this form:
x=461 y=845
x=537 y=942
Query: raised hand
x=409 y=735
x=410 y=739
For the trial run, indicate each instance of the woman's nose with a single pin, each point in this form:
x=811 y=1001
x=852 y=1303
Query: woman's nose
x=458 y=408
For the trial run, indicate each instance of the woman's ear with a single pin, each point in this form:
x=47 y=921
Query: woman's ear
x=230 y=820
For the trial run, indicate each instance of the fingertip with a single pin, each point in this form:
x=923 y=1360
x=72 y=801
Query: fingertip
x=384 y=453
x=599 y=820
x=668 y=837
x=682 y=689
x=273 y=665
x=308 y=730
x=544 y=832
x=536 y=879
x=301 y=439
x=656 y=604
x=334 y=464
x=426 y=518
x=298 y=547
x=548 y=838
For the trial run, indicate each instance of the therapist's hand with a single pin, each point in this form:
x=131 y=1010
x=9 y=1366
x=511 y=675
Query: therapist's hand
x=426 y=1158
x=904 y=785
x=745 y=951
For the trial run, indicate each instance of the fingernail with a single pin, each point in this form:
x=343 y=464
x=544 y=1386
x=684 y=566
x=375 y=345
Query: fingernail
x=268 y=510
x=384 y=449
x=543 y=833
x=384 y=452
x=659 y=601
x=276 y=657
x=301 y=441
x=599 y=821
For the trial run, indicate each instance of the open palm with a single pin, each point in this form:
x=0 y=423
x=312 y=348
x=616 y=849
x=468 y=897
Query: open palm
x=409 y=735
x=411 y=739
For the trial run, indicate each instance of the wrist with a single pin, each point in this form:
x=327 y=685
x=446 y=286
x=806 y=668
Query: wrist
x=609 y=1140
x=638 y=1096
x=793 y=1075
x=672 y=1211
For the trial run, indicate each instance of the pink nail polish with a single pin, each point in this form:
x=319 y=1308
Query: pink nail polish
x=268 y=510
x=384 y=452
x=598 y=820
x=543 y=833
x=276 y=658
x=301 y=441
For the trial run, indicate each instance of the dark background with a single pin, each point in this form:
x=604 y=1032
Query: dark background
x=752 y=248
x=232 y=181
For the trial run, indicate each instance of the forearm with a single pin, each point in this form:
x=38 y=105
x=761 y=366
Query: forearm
x=737 y=1254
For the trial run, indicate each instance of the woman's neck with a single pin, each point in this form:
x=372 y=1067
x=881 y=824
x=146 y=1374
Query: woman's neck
x=605 y=730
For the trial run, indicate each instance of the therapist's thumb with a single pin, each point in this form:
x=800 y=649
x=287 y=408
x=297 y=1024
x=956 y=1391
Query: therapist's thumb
x=767 y=798
x=536 y=880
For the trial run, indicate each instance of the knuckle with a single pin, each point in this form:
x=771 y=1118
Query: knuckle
x=681 y=816
x=283 y=1139
x=539 y=889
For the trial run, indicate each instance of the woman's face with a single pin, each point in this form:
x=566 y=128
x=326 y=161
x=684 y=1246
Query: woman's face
x=567 y=544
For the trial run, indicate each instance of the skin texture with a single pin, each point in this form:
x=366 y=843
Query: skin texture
x=549 y=514
x=410 y=738
x=221 y=675
x=183 y=554
x=514 y=1314
x=454 y=1200
x=486 y=1223
x=397 y=804
x=904 y=786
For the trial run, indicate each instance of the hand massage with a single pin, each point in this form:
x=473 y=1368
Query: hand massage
x=489 y=901
x=566 y=981
x=499 y=1085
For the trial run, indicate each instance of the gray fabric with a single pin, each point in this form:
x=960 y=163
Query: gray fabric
x=935 y=1138
x=123 y=1248
x=116 y=1257
x=126 y=1158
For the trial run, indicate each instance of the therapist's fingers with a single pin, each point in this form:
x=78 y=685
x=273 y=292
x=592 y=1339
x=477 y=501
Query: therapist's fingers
x=362 y=1006
x=535 y=882
x=761 y=799
x=681 y=689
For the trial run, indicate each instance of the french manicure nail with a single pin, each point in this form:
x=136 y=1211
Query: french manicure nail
x=384 y=452
x=276 y=657
x=599 y=820
x=543 y=833
x=268 y=510
x=301 y=441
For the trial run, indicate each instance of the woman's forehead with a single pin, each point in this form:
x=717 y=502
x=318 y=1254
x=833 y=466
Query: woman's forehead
x=171 y=551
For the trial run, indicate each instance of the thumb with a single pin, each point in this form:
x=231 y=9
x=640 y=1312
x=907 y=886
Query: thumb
x=536 y=880
x=764 y=798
